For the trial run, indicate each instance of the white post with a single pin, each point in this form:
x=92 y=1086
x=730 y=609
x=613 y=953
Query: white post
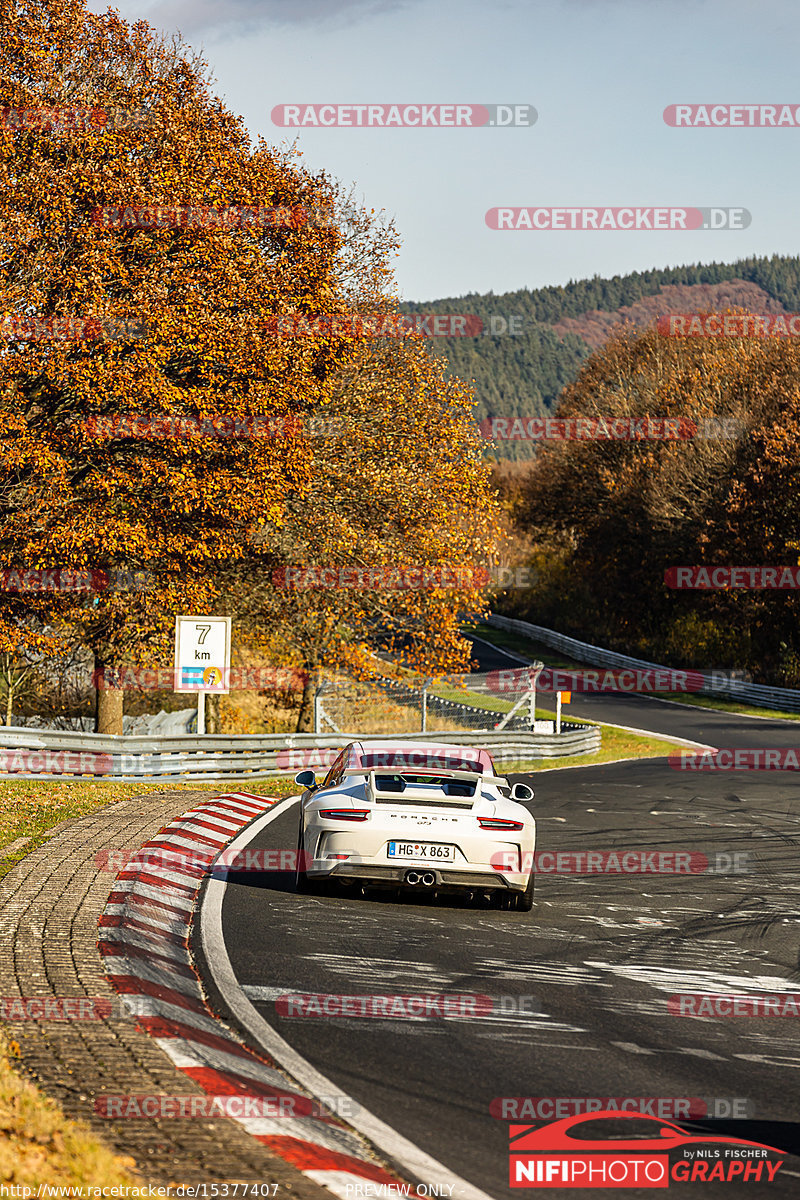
x=424 y=708
x=558 y=712
x=201 y=712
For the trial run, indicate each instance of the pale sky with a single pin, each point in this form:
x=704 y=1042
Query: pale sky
x=599 y=74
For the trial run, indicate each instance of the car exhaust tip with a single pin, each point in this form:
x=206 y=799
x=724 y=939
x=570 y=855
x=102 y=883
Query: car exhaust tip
x=428 y=879
x=412 y=878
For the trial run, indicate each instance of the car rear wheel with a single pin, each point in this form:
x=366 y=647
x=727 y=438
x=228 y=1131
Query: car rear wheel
x=524 y=900
x=301 y=882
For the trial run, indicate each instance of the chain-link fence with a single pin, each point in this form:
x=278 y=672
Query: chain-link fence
x=493 y=700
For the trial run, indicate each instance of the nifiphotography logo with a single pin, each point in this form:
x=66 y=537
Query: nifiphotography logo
x=614 y=1149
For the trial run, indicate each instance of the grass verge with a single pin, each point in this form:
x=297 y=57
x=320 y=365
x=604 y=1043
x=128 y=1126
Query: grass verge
x=31 y=809
x=39 y=1145
x=616 y=744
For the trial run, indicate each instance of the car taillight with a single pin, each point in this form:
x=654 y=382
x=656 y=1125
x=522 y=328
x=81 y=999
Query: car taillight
x=498 y=823
x=346 y=814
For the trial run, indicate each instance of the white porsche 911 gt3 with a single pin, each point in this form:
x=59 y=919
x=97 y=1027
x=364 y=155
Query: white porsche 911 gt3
x=430 y=817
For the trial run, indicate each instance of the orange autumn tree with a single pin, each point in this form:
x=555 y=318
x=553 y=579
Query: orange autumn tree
x=392 y=543
x=177 y=327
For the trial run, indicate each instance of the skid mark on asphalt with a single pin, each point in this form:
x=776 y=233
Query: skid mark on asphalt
x=499 y=1023
x=559 y=973
x=382 y=971
x=678 y=979
x=638 y=1008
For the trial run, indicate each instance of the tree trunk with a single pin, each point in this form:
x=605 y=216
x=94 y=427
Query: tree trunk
x=212 y=713
x=9 y=704
x=109 y=703
x=305 y=719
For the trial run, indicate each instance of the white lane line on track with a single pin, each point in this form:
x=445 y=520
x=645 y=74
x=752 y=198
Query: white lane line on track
x=662 y=737
x=420 y=1166
x=526 y=662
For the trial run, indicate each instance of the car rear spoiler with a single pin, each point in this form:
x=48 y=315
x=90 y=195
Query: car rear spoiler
x=374 y=792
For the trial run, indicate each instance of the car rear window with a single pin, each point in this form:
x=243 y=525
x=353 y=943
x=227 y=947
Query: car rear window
x=419 y=759
x=450 y=787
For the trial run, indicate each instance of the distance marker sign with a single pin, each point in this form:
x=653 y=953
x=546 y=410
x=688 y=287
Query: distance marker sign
x=203 y=654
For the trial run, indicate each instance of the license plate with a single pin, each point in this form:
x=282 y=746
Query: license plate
x=427 y=851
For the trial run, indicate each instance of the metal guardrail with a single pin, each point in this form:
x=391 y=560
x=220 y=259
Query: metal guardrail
x=714 y=683
x=45 y=754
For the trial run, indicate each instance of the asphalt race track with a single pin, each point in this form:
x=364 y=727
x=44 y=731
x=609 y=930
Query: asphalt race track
x=580 y=985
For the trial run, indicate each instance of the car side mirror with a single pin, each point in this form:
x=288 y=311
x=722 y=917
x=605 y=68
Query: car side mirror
x=521 y=791
x=306 y=779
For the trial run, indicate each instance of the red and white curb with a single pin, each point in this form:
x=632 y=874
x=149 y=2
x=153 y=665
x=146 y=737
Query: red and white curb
x=144 y=940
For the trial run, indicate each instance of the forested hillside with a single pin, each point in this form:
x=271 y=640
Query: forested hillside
x=523 y=374
x=601 y=523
